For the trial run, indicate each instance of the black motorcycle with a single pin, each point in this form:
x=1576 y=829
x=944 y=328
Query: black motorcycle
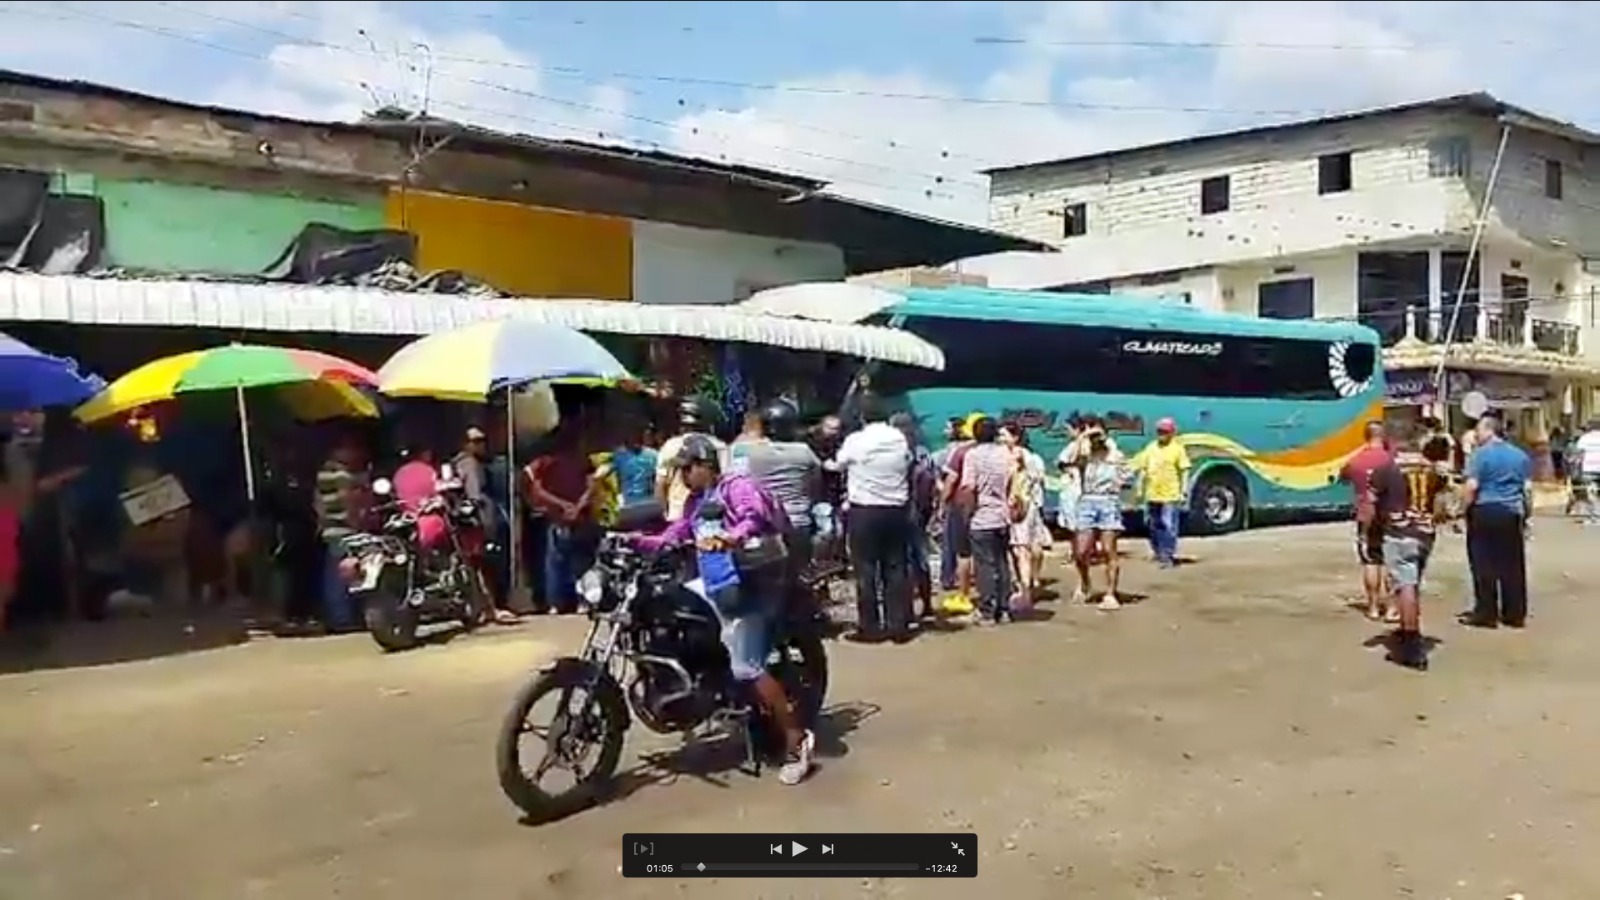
x=401 y=586
x=646 y=615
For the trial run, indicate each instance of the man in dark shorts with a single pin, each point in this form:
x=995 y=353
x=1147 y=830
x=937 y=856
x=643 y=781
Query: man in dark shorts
x=1403 y=495
x=1357 y=473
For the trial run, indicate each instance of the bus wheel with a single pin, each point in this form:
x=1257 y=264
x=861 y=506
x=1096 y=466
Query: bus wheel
x=1218 y=503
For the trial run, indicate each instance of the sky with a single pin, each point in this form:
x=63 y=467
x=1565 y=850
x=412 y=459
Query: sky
x=899 y=103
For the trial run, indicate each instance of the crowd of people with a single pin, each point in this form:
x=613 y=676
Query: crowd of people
x=1406 y=489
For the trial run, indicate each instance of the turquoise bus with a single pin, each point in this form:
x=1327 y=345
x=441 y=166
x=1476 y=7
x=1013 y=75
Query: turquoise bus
x=1268 y=409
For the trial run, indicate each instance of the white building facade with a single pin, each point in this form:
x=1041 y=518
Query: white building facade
x=1368 y=216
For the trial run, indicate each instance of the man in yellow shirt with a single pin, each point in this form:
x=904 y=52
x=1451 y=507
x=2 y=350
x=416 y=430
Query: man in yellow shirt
x=1164 y=471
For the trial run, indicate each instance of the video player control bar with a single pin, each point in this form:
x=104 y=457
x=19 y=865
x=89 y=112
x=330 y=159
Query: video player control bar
x=839 y=855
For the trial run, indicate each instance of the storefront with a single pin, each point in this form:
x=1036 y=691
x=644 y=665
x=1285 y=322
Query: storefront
x=1533 y=405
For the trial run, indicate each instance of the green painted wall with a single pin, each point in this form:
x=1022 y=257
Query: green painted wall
x=185 y=228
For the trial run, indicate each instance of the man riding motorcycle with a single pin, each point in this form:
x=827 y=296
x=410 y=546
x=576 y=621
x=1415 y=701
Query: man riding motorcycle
x=738 y=532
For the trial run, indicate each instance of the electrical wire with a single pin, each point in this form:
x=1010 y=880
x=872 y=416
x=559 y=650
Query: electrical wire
x=827 y=91
x=937 y=179
x=79 y=14
x=599 y=79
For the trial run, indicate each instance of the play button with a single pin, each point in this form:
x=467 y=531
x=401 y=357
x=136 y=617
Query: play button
x=796 y=848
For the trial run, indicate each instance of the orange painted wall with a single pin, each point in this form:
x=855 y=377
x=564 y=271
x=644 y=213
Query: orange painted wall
x=525 y=250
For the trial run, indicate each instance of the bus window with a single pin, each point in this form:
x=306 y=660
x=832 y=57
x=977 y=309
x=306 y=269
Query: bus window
x=1032 y=356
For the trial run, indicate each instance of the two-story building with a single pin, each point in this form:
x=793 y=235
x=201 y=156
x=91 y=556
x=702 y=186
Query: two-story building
x=1389 y=216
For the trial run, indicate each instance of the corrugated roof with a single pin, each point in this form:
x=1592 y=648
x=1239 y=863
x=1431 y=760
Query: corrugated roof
x=1480 y=103
x=952 y=239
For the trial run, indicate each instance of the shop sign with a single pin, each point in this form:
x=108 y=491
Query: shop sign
x=1414 y=387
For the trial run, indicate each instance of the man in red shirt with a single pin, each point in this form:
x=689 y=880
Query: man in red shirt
x=1357 y=473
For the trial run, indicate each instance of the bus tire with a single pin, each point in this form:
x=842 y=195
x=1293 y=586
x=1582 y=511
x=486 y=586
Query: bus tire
x=1219 y=502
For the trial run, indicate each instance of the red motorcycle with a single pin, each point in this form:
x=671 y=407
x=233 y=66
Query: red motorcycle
x=424 y=565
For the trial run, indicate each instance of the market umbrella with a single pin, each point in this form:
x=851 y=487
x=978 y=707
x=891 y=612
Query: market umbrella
x=472 y=363
x=311 y=385
x=30 y=379
x=475 y=362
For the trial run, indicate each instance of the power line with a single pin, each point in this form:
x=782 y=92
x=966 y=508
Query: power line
x=937 y=179
x=827 y=91
x=83 y=14
x=944 y=153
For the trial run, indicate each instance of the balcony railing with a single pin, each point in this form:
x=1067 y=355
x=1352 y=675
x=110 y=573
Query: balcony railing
x=1507 y=328
x=1556 y=337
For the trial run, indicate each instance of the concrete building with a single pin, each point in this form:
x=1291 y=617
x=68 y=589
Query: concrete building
x=1368 y=216
x=94 y=178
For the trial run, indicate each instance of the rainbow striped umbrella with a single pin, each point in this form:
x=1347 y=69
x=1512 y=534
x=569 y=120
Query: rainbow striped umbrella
x=312 y=385
x=471 y=363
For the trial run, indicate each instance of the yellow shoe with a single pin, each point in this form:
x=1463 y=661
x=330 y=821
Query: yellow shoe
x=956 y=604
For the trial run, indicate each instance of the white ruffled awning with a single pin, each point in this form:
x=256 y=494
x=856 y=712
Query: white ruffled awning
x=85 y=300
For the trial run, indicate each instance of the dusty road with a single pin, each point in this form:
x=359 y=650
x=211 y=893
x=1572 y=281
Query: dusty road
x=1228 y=737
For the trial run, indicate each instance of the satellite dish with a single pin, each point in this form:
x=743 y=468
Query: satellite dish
x=1474 y=404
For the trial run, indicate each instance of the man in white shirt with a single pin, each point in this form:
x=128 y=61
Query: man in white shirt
x=1587 y=450
x=876 y=462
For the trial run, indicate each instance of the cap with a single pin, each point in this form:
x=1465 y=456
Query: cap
x=970 y=422
x=1166 y=426
x=474 y=433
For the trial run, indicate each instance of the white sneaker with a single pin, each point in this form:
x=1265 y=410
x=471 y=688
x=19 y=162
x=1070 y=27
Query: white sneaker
x=1109 y=602
x=798 y=765
x=1078 y=596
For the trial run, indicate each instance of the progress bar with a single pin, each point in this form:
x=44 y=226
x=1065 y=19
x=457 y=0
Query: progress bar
x=799 y=868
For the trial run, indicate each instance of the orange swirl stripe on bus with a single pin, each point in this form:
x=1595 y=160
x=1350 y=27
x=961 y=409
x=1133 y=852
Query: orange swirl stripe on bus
x=1308 y=468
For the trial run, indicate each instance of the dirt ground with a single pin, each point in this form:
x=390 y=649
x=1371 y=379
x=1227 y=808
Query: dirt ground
x=1227 y=737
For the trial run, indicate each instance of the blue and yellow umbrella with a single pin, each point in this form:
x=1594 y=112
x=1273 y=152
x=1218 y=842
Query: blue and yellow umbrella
x=472 y=363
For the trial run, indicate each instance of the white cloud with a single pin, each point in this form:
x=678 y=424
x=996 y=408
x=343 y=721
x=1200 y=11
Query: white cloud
x=313 y=60
x=356 y=56
x=1528 y=53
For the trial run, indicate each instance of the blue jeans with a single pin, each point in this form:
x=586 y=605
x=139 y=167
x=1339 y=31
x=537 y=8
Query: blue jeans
x=746 y=612
x=954 y=542
x=564 y=560
x=338 y=612
x=1162 y=520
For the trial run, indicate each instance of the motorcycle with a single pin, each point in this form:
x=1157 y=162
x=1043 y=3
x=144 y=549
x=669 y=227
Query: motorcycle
x=646 y=615
x=402 y=586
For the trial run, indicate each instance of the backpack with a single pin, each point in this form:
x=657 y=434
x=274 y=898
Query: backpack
x=924 y=478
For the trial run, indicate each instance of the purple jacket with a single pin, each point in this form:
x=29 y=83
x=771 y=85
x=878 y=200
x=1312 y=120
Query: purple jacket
x=751 y=513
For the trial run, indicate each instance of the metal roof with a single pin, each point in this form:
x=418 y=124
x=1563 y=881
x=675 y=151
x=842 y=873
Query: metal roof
x=800 y=198
x=1480 y=103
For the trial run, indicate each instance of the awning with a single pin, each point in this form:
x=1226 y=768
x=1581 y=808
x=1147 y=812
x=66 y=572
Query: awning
x=823 y=301
x=27 y=297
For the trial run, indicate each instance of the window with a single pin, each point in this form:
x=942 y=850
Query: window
x=1449 y=157
x=982 y=354
x=1293 y=299
x=1452 y=265
x=1074 y=220
x=1389 y=288
x=1333 y=173
x=1214 y=195
x=1552 y=179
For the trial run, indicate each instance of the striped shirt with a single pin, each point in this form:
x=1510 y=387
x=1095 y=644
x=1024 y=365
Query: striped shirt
x=986 y=470
x=336 y=483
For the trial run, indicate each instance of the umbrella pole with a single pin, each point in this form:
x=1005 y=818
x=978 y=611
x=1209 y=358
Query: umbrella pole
x=253 y=559
x=514 y=550
x=244 y=441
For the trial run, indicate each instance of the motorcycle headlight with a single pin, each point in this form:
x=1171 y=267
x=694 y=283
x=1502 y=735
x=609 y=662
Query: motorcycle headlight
x=591 y=587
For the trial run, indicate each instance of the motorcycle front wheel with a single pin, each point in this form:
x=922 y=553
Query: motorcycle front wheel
x=592 y=715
